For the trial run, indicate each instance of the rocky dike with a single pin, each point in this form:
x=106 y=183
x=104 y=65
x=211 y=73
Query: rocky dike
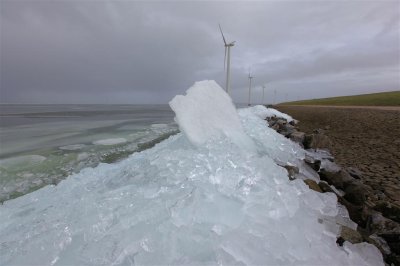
x=378 y=218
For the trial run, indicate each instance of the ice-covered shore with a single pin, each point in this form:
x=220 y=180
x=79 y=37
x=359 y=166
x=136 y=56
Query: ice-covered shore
x=213 y=194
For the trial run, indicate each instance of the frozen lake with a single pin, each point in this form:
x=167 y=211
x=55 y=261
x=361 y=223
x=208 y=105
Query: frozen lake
x=42 y=144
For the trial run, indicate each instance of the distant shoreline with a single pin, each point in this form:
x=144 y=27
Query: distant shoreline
x=390 y=108
x=391 y=98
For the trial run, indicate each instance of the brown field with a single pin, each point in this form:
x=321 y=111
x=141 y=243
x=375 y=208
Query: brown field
x=366 y=138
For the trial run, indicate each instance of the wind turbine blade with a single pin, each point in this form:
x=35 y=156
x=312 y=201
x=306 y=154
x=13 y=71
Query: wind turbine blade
x=223 y=37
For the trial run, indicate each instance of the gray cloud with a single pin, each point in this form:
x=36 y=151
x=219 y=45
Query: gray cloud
x=137 y=52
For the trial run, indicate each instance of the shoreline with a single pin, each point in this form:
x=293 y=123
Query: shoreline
x=361 y=138
x=365 y=149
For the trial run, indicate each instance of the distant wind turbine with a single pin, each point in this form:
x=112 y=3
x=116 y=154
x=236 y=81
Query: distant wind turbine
x=227 y=61
x=250 y=78
x=263 y=87
x=274 y=97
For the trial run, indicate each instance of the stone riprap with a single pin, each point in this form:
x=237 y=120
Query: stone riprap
x=376 y=213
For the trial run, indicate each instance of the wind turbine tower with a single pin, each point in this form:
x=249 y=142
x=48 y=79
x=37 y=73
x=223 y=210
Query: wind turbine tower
x=250 y=78
x=227 y=61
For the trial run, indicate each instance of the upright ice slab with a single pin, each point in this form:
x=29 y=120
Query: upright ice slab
x=180 y=204
x=207 y=112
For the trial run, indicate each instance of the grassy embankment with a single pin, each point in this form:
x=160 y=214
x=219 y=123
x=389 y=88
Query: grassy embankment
x=375 y=99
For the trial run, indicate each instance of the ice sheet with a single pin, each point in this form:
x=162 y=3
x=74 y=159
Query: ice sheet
x=21 y=160
x=72 y=147
x=111 y=141
x=22 y=174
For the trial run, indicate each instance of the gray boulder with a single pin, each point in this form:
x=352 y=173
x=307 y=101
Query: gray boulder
x=317 y=141
x=298 y=137
x=389 y=210
x=350 y=235
x=312 y=162
x=292 y=171
x=356 y=192
x=337 y=179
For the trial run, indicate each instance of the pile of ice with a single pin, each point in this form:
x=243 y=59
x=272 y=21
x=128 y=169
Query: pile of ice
x=207 y=112
x=263 y=112
x=196 y=198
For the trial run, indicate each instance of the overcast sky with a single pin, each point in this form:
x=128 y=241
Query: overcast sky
x=147 y=52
